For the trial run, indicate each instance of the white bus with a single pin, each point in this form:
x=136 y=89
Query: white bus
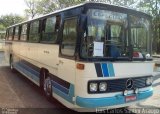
x=89 y=56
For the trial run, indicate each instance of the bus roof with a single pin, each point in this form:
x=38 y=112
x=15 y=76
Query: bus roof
x=82 y=4
x=57 y=11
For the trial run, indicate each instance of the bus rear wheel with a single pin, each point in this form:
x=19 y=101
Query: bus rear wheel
x=47 y=87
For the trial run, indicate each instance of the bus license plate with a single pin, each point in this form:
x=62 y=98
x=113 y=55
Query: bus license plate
x=131 y=98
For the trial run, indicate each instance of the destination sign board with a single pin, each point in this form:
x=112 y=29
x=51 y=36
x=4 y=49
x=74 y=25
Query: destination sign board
x=107 y=15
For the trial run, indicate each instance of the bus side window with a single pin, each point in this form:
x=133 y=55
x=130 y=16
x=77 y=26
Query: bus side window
x=16 y=33
x=23 y=35
x=34 y=35
x=69 y=37
x=10 y=34
x=50 y=29
x=7 y=34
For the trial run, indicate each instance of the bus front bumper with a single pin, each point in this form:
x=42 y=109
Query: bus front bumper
x=110 y=101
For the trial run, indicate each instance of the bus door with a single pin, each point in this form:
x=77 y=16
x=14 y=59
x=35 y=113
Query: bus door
x=66 y=65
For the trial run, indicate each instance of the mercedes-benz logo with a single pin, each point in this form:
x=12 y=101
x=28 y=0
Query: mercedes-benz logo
x=129 y=84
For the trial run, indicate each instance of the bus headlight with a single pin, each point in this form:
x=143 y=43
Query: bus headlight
x=103 y=86
x=149 y=81
x=93 y=87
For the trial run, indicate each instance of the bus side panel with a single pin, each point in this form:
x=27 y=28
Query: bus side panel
x=8 y=50
x=23 y=49
x=62 y=71
x=48 y=57
x=66 y=72
x=33 y=57
x=16 y=46
x=40 y=55
x=32 y=52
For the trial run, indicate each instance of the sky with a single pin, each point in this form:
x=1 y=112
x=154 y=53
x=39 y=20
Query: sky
x=12 y=6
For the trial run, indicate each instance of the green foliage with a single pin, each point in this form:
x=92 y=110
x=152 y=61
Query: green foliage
x=122 y=2
x=45 y=6
x=8 y=20
x=40 y=7
x=152 y=7
x=31 y=11
x=2 y=28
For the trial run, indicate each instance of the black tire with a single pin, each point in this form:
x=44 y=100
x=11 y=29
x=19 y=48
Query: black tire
x=47 y=88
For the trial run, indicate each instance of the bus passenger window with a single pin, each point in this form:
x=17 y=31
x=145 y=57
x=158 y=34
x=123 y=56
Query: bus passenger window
x=23 y=36
x=69 y=37
x=58 y=21
x=7 y=34
x=50 y=29
x=34 y=35
x=10 y=34
x=16 y=33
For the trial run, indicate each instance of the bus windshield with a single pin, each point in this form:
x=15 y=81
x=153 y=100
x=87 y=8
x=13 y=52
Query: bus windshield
x=106 y=36
x=140 y=36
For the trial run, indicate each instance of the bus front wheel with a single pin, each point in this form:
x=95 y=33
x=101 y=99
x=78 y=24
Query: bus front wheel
x=47 y=87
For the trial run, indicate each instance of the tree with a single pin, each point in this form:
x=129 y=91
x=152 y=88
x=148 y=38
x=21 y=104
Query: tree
x=152 y=7
x=67 y=3
x=40 y=7
x=46 y=6
x=31 y=11
x=8 y=20
x=2 y=28
x=126 y=3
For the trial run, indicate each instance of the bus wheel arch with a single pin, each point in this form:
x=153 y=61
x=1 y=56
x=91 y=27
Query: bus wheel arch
x=45 y=83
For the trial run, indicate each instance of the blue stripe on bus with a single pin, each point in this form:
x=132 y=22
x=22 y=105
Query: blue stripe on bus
x=35 y=68
x=60 y=81
x=98 y=69
x=68 y=96
x=111 y=70
x=29 y=73
x=29 y=69
x=105 y=70
x=110 y=101
x=60 y=87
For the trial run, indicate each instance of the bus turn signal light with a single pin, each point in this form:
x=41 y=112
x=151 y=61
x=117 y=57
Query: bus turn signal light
x=80 y=66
